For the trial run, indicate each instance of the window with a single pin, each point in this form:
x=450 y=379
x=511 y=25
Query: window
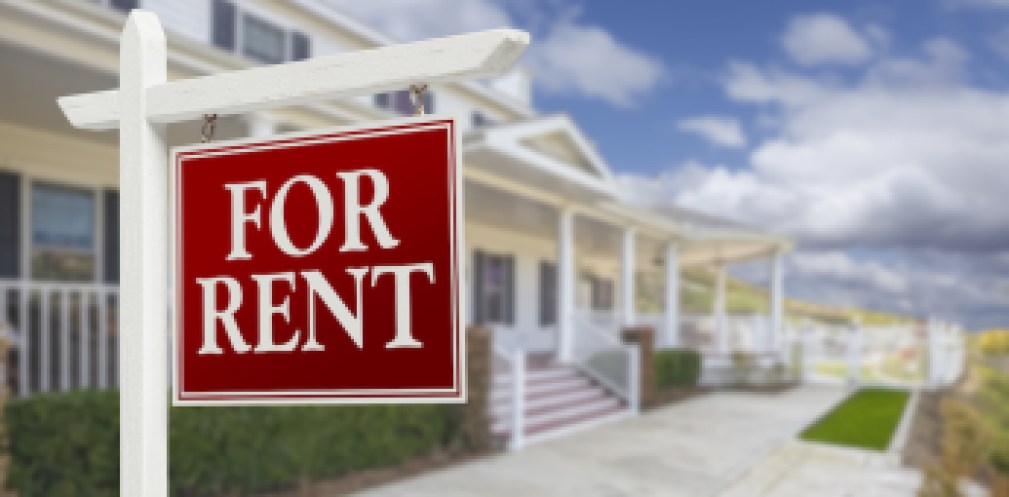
x=400 y=103
x=120 y=5
x=302 y=46
x=261 y=40
x=255 y=37
x=62 y=233
x=602 y=294
x=494 y=288
x=548 y=293
x=479 y=119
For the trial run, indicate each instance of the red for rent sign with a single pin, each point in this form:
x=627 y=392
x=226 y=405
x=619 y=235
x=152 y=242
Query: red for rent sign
x=320 y=268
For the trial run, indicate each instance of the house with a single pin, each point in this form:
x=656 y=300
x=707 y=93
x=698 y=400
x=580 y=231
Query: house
x=553 y=246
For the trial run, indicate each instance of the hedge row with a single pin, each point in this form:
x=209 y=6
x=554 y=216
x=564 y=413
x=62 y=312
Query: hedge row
x=677 y=368
x=68 y=444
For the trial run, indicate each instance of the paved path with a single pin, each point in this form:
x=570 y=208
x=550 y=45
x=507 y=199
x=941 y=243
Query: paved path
x=702 y=447
x=801 y=469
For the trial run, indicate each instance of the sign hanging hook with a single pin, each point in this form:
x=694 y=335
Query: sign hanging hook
x=417 y=94
x=209 y=126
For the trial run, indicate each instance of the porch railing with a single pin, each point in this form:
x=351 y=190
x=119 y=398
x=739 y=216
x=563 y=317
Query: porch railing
x=62 y=336
x=513 y=364
x=612 y=363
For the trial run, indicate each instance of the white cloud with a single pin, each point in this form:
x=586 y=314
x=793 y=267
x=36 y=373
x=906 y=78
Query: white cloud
x=909 y=157
x=719 y=130
x=838 y=267
x=825 y=38
x=589 y=60
x=567 y=57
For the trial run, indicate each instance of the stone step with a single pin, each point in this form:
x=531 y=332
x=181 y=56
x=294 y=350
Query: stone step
x=542 y=389
x=561 y=418
x=541 y=404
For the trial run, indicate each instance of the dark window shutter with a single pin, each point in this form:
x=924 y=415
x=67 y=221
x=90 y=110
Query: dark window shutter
x=548 y=293
x=10 y=225
x=301 y=46
x=124 y=5
x=429 y=102
x=478 y=286
x=111 y=241
x=223 y=19
x=509 y=289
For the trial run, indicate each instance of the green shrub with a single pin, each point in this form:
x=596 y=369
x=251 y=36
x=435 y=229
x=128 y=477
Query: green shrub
x=68 y=444
x=677 y=368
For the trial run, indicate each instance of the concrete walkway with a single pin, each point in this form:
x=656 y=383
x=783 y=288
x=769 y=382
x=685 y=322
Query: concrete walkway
x=702 y=447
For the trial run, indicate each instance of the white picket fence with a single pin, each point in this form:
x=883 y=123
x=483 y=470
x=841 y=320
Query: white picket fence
x=909 y=355
x=62 y=336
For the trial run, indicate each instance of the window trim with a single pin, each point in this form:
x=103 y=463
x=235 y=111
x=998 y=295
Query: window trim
x=94 y=193
x=242 y=11
x=482 y=310
x=28 y=180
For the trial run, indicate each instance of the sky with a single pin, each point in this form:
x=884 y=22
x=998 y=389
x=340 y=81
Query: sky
x=873 y=132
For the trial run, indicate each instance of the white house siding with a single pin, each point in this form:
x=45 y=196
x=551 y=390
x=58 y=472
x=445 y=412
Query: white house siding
x=188 y=18
x=529 y=250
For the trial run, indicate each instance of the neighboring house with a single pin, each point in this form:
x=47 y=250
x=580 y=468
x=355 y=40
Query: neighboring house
x=553 y=249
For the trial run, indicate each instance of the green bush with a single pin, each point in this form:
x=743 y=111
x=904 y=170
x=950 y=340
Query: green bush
x=677 y=368
x=68 y=444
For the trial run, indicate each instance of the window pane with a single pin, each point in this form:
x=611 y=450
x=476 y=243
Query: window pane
x=63 y=224
x=262 y=41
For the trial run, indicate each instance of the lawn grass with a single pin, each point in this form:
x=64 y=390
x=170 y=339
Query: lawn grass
x=867 y=419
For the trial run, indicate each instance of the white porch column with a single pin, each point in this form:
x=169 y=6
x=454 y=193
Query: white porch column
x=672 y=295
x=627 y=283
x=721 y=321
x=855 y=352
x=566 y=285
x=777 y=304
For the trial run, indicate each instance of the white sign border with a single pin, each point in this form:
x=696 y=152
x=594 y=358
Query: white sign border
x=336 y=396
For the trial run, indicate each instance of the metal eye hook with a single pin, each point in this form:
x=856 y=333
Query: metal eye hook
x=209 y=126
x=417 y=98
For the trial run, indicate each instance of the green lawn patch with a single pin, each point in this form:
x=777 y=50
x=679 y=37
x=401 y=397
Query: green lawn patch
x=867 y=419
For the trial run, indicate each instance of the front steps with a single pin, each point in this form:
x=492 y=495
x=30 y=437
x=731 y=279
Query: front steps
x=558 y=399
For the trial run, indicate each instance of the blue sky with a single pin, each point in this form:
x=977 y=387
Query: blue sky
x=876 y=133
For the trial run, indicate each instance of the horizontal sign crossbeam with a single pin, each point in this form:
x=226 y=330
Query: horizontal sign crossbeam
x=394 y=67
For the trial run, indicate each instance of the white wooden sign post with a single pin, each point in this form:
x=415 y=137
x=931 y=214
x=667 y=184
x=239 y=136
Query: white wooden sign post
x=142 y=107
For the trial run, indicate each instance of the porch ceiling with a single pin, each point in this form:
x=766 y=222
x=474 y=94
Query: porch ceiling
x=494 y=207
x=30 y=93
x=724 y=251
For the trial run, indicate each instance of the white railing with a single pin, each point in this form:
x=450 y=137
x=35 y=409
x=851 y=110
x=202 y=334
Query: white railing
x=514 y=363
x=63 y=335
x=604 y=357
x=657 y=321
x=749 y=332
x=909 y=355
x=607 y=319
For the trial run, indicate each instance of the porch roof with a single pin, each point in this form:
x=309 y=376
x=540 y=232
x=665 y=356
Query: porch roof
x=549 y=154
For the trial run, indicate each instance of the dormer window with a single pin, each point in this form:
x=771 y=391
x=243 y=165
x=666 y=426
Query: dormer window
x=123 y=5
x=479 y=119
x=250 y=35
x=400 y=103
